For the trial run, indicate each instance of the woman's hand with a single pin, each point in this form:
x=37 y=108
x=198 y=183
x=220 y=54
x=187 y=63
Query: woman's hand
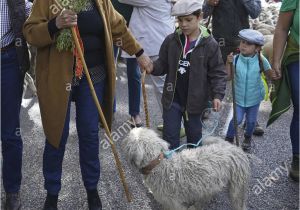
x=276 y=71
x=145 y=63
x=66 y=19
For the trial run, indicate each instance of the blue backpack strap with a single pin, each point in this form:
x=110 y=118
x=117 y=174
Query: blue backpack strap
x=236 y=59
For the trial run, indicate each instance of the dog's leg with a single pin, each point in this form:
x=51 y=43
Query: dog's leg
x=238 y=195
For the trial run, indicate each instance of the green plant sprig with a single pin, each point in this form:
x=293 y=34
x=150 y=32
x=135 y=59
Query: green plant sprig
x=64 y=40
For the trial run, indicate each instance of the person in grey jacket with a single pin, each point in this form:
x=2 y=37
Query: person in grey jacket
x=228 y=18
x=192 y=62
x=150 y=23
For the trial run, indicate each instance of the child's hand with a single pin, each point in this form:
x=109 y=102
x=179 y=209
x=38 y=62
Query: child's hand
x=230 y=58
x=217 y=104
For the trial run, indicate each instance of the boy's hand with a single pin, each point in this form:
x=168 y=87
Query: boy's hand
x=217 y=104
x=230 y=58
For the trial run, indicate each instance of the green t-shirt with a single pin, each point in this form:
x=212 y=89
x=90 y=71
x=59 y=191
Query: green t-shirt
x=292 y=5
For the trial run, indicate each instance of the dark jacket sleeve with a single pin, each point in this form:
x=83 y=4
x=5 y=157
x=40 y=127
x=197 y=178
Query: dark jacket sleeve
x=216 y=71
x=160 y=66
x=253 y=7
x=207 y=9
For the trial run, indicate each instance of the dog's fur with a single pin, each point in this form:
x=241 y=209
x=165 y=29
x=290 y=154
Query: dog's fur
x=192 y=176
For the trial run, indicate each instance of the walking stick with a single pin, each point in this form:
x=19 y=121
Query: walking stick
x=104 y=123
x=234 y=107
x=145 y=100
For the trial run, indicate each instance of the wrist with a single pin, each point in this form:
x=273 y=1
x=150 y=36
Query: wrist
x=139 y=53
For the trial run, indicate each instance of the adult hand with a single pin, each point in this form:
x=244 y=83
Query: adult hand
x=66 y=19
x=217 y=104
x=213 y=2
x=145 y=63
x=277 y=71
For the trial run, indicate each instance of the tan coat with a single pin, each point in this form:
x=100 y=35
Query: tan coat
x=54 y=68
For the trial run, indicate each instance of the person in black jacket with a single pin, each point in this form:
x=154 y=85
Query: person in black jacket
x=228 y=18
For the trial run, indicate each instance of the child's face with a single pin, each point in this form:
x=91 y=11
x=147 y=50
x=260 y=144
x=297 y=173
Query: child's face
x=189 y=24
x=247 y=48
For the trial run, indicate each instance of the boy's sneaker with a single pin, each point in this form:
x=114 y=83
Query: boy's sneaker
x=229 y=139
x=246 y=145
x=258 y=131
x=294 y=170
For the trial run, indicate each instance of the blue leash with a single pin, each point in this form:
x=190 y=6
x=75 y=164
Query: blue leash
x=168 y=154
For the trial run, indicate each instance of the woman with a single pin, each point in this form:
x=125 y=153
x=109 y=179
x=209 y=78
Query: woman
x=98 y=25
x=286 y=46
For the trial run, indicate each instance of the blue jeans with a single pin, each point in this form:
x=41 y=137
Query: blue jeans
x=251 y=117
x=11 y=98
x=87 y=120
x=134 y=86
x=172 y=123
x=293 y=71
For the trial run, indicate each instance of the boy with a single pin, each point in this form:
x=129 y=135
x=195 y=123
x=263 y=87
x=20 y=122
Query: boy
x=192 y=62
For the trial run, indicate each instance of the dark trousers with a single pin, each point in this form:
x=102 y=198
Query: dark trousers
x=134 y=86
x=293 y=71
x=11 y=98
x=87 y=120
x=172 y=124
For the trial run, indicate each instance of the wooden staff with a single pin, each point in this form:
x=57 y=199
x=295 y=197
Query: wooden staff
x=104 y=123
x=145 y=100
x=234 y=106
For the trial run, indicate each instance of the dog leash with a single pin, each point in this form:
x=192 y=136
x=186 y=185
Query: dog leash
x=168 y=154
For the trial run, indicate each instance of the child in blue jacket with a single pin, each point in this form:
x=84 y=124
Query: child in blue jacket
x=249 y=86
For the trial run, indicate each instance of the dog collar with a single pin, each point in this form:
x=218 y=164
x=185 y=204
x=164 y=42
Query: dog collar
x=148 y=168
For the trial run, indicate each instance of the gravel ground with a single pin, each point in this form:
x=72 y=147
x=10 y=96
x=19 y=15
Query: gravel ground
x=270 y=158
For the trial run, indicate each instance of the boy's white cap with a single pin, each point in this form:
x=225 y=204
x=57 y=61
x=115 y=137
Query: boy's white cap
x=186 y=7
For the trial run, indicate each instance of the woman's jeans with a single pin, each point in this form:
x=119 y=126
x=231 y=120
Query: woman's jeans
x=172 y=123
x=11 y=97
x=293 y=71
x=134 y=86
x=251 y=117
x=87 y=121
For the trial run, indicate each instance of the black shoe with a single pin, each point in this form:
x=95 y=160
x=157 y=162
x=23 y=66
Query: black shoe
x=258 y=131
x=246 y=145
x=229 y=139
x=13 y=201
x=294 y=170
x=51 y=202
x=94 y=201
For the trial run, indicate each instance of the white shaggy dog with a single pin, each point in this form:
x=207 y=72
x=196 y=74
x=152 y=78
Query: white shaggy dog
x=190 y=177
